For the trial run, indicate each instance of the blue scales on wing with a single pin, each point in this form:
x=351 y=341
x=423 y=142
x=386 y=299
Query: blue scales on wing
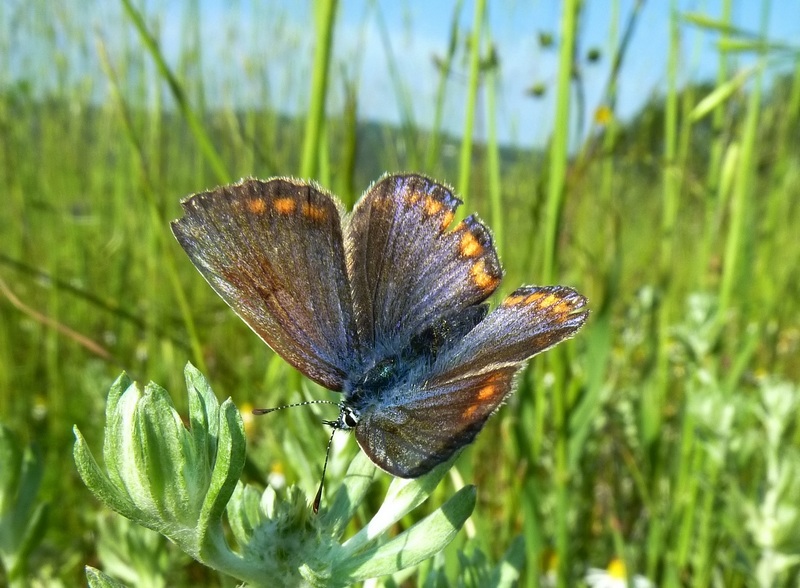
x=422 y=421
x=409 y=270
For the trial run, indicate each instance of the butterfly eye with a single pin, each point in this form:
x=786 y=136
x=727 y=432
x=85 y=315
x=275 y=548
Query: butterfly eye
x=350 y=417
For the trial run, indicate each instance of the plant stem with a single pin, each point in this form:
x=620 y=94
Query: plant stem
x=465 y=161
x=555 y=194
x=325 y=19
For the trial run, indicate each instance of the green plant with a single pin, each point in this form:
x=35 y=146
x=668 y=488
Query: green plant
x=22 y=518
x=182 y=482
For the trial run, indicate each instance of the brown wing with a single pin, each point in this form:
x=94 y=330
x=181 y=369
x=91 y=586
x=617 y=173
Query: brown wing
x=274 y=252
x=408 y=438
x=413 y=427
x=408 y=270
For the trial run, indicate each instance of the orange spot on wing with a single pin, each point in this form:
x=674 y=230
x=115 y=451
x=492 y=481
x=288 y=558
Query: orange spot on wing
x=562 y=307
x=548 y=301
x=412 y=197
x=469 y=412
x=315 y=213
x=487 y=392
x=431 y=206
x=284 y=205
x=483 y=279
x=534 y=298
x=469 y=246
x=512 y=301
x=492 y=389
x=447 y=219
x=256 y=205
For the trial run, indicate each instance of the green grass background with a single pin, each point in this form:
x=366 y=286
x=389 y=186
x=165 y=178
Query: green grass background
x=665 y=434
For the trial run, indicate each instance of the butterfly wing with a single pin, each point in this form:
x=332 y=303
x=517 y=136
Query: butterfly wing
x=530 y=320
x=408 y=271
x=412 y=430
x=274 y=252
x=409 y=438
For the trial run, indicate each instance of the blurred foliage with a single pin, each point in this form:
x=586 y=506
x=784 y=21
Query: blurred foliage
x=656 y=437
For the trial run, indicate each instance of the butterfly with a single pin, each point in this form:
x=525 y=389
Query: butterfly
x=386 y=304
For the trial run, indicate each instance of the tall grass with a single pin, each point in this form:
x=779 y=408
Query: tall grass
x=659 y=436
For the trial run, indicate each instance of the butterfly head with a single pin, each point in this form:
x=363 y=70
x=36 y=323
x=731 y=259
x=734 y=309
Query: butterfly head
x=348 y=418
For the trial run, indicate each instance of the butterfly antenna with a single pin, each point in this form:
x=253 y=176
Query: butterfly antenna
x=306 y=403
x=318 y=497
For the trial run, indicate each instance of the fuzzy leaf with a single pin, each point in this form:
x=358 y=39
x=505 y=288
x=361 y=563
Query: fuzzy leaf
x=421 y=541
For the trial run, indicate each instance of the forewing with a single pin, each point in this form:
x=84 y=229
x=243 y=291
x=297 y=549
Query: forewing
x=274 y=252
x=408 y=271
x=530 y=320
x=409 y=437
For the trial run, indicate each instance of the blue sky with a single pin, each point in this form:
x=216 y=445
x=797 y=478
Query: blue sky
x=258 y=53
x=419 y=29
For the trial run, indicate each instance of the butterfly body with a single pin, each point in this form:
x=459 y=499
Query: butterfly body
x=385 y=304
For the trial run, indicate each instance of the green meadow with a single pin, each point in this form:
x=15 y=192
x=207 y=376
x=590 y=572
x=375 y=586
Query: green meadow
x=663 y=441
